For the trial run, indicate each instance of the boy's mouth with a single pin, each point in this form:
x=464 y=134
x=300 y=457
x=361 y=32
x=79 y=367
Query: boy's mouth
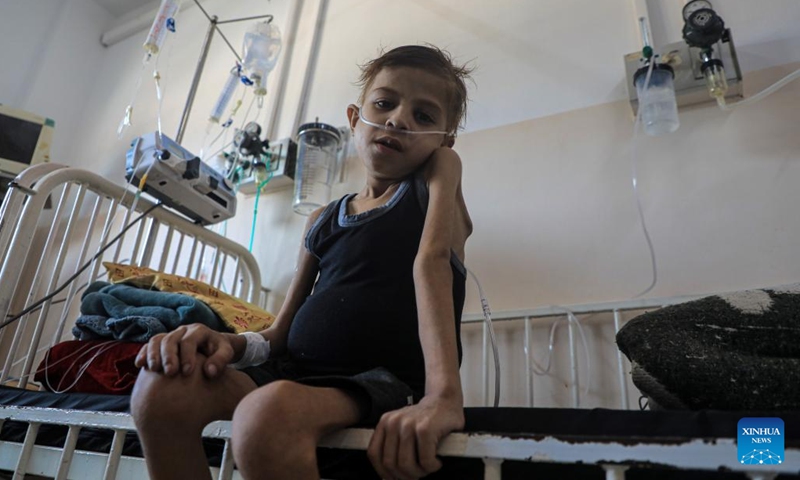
x=391 y=143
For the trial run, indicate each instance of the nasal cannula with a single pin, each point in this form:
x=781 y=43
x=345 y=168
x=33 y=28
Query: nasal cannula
x=399 y=130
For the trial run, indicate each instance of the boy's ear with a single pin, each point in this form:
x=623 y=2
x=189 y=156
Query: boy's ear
x=352 y=116
x=449 y=141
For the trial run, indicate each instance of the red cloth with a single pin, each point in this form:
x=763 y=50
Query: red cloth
x=95 y=366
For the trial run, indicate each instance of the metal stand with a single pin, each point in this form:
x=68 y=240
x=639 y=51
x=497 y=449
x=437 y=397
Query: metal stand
x=214 y=24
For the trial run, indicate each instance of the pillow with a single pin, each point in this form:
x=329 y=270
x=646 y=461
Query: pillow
x=238 y=315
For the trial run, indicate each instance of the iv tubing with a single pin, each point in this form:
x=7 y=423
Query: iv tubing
x=255 y=209
x=760 y=95
x=635 y=182
x=571 y=318
x=487 y=316
x=126 y=120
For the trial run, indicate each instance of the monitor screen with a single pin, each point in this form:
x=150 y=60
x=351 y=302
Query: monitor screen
x=18 y=139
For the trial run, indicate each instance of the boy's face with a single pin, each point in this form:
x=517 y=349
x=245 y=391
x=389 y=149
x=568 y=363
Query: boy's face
x=403 y=98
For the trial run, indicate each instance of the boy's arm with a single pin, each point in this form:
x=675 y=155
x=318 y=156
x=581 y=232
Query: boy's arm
x=176 y=351
x=405 y=441
x=302 y=283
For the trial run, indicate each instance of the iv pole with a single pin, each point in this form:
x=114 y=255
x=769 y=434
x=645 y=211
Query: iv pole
x=213 y=26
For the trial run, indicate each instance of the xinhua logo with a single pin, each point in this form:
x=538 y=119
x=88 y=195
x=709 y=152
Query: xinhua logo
x=760 y=441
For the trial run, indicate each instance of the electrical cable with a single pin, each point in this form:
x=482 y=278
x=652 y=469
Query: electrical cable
x=80 y=270
x=487 y=317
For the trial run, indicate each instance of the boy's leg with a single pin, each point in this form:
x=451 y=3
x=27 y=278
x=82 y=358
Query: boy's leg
x=171 y=412
x=277 y=427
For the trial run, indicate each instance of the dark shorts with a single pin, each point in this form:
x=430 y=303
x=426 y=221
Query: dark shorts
x=377 y=391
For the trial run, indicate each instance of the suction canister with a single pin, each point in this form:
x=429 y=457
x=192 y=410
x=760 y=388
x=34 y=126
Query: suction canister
x=659 y=109
x=317 y=148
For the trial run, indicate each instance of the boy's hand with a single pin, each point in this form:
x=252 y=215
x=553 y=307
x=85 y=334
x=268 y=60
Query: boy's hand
x=405 y=441
x=176 y=352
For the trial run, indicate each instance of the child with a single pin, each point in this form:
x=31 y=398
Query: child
x=369 y=330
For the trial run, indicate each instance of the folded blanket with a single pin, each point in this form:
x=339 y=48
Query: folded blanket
x=238 y=315
x=124 y=312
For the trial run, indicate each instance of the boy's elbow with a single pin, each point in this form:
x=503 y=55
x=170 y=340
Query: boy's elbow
x=431 y=260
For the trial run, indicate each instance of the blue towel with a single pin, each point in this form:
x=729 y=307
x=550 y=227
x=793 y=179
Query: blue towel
x=123 y=312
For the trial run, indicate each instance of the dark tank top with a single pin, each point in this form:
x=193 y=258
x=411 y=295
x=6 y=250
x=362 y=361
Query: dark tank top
x=362 y=313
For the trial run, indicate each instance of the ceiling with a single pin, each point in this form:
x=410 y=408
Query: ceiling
x=118 y=8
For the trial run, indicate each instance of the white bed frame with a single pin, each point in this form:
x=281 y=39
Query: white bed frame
x=42 y=246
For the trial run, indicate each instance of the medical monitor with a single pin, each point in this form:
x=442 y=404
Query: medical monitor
x=25 y=140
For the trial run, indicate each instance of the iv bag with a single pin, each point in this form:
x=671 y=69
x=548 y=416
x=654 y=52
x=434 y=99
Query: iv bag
x=262 y=45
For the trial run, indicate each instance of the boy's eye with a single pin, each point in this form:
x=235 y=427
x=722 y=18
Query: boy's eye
x=382 y=104
x=423 y=117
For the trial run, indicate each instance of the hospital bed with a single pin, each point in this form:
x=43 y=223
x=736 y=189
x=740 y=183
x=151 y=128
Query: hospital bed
x=55 y=218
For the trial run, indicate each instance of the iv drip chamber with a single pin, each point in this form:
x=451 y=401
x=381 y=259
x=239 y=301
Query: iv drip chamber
x=158 y=31
x=318 y=145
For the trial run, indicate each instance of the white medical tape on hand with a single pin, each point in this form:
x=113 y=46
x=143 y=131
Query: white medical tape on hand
x=256 y=352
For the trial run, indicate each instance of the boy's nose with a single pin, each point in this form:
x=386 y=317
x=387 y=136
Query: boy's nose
x=398 y=120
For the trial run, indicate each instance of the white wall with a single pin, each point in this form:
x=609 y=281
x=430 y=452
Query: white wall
x=49 y=58
x=546 y=151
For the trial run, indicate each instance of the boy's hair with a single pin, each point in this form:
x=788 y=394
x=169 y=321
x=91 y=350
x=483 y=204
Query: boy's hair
x=433 y=60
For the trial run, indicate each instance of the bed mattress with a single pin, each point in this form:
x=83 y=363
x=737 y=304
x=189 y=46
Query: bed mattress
x=568 y=424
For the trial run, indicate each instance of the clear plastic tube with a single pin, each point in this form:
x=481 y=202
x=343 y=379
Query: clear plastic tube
x=160 y=100
x=399 y=130
x=160 y=27
x=571 y=318
x=128 y=117
x=635 y=182
x=487 y=317
x=760 y=95
x=98 y=349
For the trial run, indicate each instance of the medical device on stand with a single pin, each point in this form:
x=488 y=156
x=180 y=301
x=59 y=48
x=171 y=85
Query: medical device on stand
x=179 y=179
x=171 y=173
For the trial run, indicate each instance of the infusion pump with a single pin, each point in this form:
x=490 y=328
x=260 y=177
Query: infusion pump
x=180 y=179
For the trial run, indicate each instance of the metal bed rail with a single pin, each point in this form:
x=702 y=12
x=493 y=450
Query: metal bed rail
x=548 y=315
x=28 y=458
x=614 y=455
x=55 y=219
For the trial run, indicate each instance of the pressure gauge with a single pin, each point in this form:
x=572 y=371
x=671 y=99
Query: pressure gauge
x=703 y=27
x=694 y=6
x=253 y=129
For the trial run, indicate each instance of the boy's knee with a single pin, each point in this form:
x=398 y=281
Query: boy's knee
x=268 y=406
x=268 y=428
x=159 y=401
